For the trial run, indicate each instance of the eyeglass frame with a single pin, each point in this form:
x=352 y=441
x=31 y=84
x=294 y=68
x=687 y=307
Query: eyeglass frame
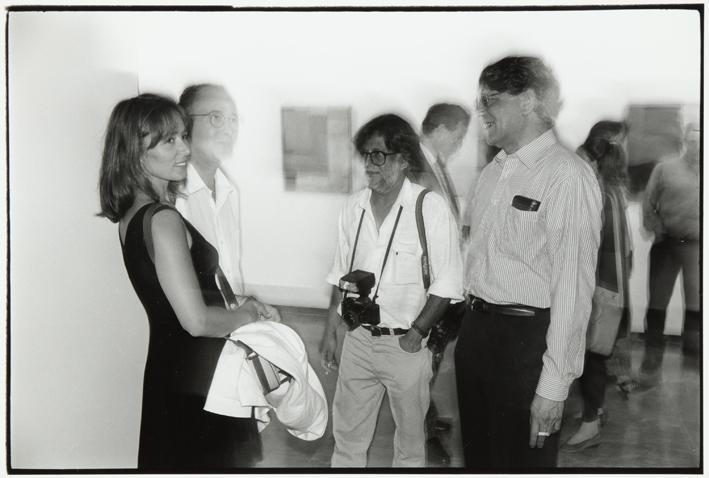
x=215 y=122
x=483 y=100
x=368 y=156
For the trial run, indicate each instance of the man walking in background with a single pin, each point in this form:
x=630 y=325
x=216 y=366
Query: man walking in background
x=442 y=133
x=671 y=212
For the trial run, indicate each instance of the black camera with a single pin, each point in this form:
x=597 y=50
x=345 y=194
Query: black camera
x=359 y=310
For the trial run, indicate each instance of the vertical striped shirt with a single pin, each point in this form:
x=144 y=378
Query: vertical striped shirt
x=542 y=257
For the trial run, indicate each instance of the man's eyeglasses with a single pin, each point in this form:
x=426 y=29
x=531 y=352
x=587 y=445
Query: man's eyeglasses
x=378 y=158
x=218 y=119
x=484 y=101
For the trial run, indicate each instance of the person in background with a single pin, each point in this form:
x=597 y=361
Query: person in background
x=671 y=211
x=208 y=197
x=172 y=269
x=529 y=274
x=442 y=132
x=386 y=352
x=604 y=151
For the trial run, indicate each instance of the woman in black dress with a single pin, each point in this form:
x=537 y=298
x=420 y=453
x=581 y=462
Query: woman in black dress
x=172 y=269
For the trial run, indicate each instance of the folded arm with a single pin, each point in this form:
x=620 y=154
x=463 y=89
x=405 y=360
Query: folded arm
x=177 y=277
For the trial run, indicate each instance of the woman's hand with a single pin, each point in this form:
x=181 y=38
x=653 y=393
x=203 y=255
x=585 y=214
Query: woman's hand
x=265 y=311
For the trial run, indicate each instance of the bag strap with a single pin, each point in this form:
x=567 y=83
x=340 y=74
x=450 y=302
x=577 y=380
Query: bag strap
x=222 y=282
x=425 y=264
x=618 y=249
x=147 y=227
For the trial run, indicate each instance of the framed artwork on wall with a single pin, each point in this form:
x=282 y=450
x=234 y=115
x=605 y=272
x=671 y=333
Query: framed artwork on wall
x=317 y=149
x=654 y=134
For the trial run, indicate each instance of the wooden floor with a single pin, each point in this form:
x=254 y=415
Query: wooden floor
x=658 y=428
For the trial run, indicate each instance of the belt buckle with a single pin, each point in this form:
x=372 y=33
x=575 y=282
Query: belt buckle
x=375 y=331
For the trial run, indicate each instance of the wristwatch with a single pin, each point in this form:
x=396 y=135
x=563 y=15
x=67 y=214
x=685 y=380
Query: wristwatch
x=419 y=330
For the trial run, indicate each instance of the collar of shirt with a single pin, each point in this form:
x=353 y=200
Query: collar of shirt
x=532 y=152
x=222 y=184
x=403 y=199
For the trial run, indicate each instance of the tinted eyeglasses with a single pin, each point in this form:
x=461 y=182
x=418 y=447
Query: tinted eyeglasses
x=218 y=119
x=378 y=158
x=484 y=101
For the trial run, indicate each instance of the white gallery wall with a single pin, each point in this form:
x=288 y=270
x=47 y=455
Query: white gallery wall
x=79 y=334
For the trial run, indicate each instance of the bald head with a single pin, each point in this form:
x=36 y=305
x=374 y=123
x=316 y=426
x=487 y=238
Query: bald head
x=213 y=126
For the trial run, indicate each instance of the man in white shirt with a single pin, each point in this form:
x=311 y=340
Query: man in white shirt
x=529 y=274
x=389 y=356
x=209 y=199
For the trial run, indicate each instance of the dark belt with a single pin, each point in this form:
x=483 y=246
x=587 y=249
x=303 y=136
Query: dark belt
x=517 y=310
x=682 y=240
x=379 y=331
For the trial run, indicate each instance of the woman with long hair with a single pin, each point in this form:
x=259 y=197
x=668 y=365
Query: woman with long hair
x=172 y=269
x=604 y=151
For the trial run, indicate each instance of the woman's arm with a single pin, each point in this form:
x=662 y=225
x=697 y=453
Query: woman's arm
x=178 y=280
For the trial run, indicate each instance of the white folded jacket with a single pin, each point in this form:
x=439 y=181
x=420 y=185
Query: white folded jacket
x=235 y=391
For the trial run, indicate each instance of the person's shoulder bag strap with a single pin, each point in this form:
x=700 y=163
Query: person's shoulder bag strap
x=147 y=227
x=228 y=295
x=425 y=263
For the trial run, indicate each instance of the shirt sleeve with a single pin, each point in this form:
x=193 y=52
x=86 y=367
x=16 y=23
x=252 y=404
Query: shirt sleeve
x=651 y=220
x=443 y=249
x=573 y=228
x=340 y=264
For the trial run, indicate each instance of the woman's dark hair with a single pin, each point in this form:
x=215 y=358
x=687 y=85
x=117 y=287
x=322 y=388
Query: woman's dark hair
x=398 y=135
x=133 y=121
x=516 y=74
x=603 y=146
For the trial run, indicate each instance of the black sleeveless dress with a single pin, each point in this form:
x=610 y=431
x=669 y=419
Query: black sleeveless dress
x=175 y=432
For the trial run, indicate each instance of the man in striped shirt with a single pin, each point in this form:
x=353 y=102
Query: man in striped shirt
x=529 y=274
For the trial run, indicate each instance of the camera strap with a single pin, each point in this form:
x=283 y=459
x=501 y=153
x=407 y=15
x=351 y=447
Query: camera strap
x=354 y=249
x=386 y=254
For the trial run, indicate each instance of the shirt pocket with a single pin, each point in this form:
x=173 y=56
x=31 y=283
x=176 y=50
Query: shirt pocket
x=519 y=232
x=406 y=262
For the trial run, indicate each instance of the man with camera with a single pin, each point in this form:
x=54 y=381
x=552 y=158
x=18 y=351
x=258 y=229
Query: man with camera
x=378 y=258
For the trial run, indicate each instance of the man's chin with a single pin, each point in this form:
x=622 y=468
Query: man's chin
x=489 y=140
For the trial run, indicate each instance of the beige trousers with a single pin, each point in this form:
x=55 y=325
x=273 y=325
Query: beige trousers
x=370 y=366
